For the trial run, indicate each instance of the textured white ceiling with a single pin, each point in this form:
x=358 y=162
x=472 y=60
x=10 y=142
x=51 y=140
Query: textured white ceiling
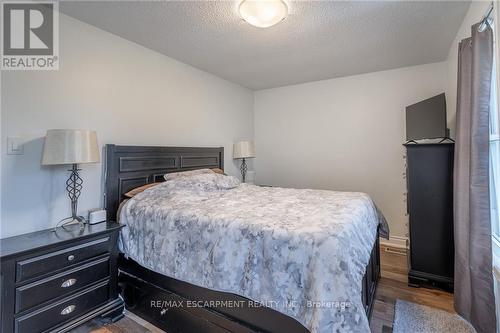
x=318 y=40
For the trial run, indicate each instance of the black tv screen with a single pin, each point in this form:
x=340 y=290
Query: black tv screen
x=426 y=119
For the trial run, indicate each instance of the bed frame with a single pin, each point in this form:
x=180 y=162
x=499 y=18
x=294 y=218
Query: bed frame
x=177 y=306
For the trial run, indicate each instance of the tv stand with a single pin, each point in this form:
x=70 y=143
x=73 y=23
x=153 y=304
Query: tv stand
x=441 y=140
x=446 y=139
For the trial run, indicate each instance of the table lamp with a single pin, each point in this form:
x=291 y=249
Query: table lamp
x=243 y=150
x=71 y=147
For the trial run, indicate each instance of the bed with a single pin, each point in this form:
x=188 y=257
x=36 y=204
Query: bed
x=262 y=284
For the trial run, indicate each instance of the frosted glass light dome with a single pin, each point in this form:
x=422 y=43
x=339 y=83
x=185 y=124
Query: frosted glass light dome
x=263 y=13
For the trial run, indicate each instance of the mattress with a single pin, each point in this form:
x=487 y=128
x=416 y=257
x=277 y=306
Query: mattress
x=301 y=252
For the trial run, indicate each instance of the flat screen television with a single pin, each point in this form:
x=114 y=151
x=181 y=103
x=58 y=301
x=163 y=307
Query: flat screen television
x=427 y=119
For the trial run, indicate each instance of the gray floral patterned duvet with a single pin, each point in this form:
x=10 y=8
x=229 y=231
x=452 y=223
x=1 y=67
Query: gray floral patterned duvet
x=300 y=252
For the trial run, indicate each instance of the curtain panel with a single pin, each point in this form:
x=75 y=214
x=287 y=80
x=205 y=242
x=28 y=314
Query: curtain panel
x=474 y=293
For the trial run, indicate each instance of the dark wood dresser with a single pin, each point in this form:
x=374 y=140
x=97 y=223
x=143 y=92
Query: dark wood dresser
x=430 y=208
x=55 y=281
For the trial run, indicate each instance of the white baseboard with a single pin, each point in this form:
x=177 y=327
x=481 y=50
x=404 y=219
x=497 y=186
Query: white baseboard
x=395 y=241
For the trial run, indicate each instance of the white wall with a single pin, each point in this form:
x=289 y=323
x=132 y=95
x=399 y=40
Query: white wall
x=343 y=134
x=476 y=11
x=129 y=94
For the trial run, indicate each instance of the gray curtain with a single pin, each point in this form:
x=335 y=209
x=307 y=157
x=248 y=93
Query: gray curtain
x=474 y=294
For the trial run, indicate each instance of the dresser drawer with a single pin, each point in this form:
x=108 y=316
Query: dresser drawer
x=61 y=284
x=63 y=311
x=56 y=260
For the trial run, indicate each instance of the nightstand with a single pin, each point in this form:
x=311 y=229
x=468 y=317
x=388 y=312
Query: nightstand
x=55 y=281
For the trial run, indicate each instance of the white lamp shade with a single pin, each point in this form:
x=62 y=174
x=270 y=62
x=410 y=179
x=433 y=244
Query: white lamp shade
x=244 y=149
x=69 y=146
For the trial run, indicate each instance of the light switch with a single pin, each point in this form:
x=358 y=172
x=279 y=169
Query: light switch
x=15 y=146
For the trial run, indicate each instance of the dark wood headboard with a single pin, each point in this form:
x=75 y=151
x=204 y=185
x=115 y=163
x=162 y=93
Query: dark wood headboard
x=128 y=167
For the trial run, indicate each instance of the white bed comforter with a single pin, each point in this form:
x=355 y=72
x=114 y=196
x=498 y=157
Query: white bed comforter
x=300 y=252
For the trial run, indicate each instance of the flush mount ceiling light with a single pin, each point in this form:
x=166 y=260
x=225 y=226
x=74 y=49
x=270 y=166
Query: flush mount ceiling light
x=263 y=13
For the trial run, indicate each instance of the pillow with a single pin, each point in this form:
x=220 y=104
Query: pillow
x=225 y=182
x=175 y=175
x=219 y=171
x=203 y=182
x=137 y=190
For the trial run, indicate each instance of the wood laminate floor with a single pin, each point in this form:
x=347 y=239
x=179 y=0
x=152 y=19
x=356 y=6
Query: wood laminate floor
x=392 y=285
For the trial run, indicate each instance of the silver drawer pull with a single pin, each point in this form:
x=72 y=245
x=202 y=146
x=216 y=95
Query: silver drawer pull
x=68 y=283
x=67 y=310
x=71 y=257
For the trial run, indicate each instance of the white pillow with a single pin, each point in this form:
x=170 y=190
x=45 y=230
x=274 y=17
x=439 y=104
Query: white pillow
x=175 y=175
x=202 y=182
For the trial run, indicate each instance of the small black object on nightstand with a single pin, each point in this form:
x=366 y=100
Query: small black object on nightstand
x=56 y=281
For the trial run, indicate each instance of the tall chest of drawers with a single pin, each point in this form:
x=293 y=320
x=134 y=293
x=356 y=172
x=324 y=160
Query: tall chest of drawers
x=430 y=208
x=53 y=281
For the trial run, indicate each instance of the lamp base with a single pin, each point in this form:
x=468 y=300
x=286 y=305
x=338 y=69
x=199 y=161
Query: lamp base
x=74 y=188
x=243 y=169
x=71 y=220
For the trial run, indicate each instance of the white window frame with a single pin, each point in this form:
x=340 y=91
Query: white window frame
x=494 y=141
